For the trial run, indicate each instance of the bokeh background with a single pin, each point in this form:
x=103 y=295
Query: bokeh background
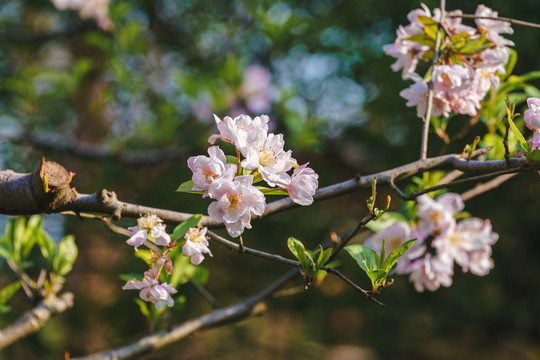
x=124 y=98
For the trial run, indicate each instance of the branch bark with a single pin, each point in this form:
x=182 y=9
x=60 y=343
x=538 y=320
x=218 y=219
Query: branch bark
x=34 y=319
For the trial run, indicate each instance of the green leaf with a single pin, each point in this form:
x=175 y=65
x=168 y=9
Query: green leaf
x=376 y=276
x=143 y=307
x=184 y=270
x=383 y=254
x=324 y=255
x=144 y=255
x=387 y=219
x=33 y=229
x=47 y=247
x=421 y=39
x=309 y=254
x=231 y=159
x=297 y=249
x=521 y=140
x=8 y=291
x=187 y=187
x=534 y=155
x=182 y=228
x=65 y=256
x=127 y=277
x=391 y=260
x=366 y=257
x=5 y=251
x=272 y=191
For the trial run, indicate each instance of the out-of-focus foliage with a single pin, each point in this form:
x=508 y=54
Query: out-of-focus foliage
x=318 y=70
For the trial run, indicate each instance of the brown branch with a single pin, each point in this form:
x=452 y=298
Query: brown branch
x=18 y=197
x=239 y=311
x=367 y=294
x=34 y=319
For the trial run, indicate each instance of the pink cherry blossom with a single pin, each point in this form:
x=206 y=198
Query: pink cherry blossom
x=236 y=201
x=242 y=131
x=148 y=226
x=269 y=159
x=532 y=114
x=196 y=244
x=493 y=28
x=430 y=272
x=303 y=185
x=151 y=290
x=97 y=9
x=208 y=169
x=416 y=95
x=162 y=261
x=438 y=215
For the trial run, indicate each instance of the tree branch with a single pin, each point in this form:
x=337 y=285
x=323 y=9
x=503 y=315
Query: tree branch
x=233 y=313
x=34 y=319
x=505 y=19
x=482 y=188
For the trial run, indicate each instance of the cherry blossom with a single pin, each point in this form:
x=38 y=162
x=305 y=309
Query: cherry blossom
x=151 y=290
x=493 y=28
x=269 y=159
x=438 y=215
x=148 y=226
x=97 y=9
x=303 y=185
x=430 y=272
x=532 y=114
x=236 y=201
x=242 y=131
x=196 y=244
x=208 y=169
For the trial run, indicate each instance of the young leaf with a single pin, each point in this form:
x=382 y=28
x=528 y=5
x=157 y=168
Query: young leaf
x=324 y=255
x=366 y=257
x=396 y=254
x=521 y=140
x=297 y=249
x=534 y=155
x=65 y=256
x=187 y=187
x=8 y=291
x=271 y=191
x=376 y=276
x=47 y=247
x=182 y=229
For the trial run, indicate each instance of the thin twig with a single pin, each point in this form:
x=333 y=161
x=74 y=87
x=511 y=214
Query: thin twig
x=505 y=19
x=205 y=293
x=349 y=236
x=482 y=188
x=427 y=117
x=413 y=196
x=505 y=143
x=367 y=294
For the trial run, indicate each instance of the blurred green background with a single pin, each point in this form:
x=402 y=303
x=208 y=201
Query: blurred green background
x=125 y=108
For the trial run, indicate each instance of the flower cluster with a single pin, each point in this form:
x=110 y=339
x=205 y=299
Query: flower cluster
x=260 y=156
x=471 y=60
x=441 y=242
x=150 y=228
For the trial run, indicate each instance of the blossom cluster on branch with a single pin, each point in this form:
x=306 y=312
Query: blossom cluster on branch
x=471 y=60
x=260 y=155
x=150 y=228
x=441 y=242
